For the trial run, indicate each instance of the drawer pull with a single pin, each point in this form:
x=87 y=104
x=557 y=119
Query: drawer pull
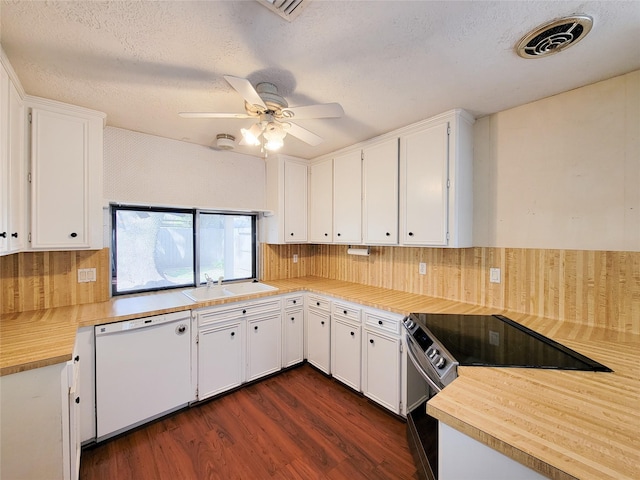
x=233 y=334
x=371 y=341
x=344 y=311
x=73 y=235
x=295 y=301
x=293 y=319
x=255 y=328
x=318 y=303
x=322 y=322
x=352 y=334
x=379 y=322
x=244 y=311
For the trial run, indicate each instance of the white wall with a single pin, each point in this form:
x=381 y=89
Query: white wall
x=145 y=169
x=562 y=172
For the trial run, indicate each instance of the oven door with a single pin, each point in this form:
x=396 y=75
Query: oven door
x=422 y=429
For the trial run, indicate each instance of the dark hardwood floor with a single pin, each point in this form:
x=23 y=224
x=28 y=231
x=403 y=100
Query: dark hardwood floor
x=296 y=425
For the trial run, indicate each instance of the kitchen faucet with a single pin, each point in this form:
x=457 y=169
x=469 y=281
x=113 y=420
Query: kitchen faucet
x=209 y=280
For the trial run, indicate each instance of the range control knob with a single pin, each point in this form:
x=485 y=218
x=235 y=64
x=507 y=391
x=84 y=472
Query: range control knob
x=409 y=323
x=441 y=362
x=432 y=352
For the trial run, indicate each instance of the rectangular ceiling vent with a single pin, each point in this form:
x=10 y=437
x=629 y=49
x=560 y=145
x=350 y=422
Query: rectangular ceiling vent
x=287 y=9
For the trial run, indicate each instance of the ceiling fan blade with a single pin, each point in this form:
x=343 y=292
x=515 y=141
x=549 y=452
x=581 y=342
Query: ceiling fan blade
x=213 y=115
x=322 y=110
x=303 y=134
x=244 y=88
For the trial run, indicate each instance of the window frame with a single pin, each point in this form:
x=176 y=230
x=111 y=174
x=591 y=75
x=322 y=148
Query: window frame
x=195 y=214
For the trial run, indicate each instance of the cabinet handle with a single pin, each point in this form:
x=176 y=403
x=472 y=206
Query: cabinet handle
x=322 y=322
x=14 y=234
x=77 y=399
x=77 y=359
x=411 y=234
x=233 y=334
x=256 y=328
x=3 y=235
x=352 y=334
x=244 y=311
x=73 y=235
x=371 y=341
x=379 y=322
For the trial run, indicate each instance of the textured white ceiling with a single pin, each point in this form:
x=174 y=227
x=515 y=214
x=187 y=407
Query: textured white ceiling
x=389 y=63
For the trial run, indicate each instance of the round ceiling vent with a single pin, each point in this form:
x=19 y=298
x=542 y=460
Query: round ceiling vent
x=555 y=36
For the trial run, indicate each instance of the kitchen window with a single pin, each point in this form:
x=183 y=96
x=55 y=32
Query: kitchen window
x=157 y=248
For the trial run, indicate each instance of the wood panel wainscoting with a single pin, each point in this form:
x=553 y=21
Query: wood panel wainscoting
x=593 y=288
x=38 y=280
x=298 y=424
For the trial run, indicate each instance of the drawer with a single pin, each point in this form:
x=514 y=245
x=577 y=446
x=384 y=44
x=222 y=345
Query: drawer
x=347 y=311
x=319 y=303
x=237 y=310
x=382 y=322
x=294 y=302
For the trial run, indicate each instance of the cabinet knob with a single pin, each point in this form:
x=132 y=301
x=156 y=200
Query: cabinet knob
x=379 y=322
x=339 y=234
x=371 y=341
x=293 y=319
x=411 y=234
x=233 y=334
x=3 y=235
x=77 y=358
x=291 y=234
x=295 y=301
x=352 y=334
x=14 y=234
x=77 y=399
x=322 y=322
x=326 y=234
x=73 y=235
x=388 y=234
x=244 y=311
x=318 y=303
x=255 y=328
x=344 y=311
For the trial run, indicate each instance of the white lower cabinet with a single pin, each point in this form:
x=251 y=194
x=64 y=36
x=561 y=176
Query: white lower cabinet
x=319 y=335
x=220 y=358
x=381 y=369
x=263 y=346
x=39 y=435
x=345 y=352
x=293 y=331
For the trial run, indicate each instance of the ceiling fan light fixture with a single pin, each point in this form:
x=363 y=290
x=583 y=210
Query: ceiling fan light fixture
x=274 y=135
x=252 y=135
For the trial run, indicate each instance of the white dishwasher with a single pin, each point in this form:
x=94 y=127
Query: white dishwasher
x=143 y=371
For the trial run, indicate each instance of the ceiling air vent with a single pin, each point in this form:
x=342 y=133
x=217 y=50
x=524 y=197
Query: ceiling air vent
x=287 y=9
x=555 y=36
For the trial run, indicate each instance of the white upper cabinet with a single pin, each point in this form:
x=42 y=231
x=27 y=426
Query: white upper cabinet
x=436 y=180
x=380 y=184
x=347 y=198
x=286 y=200
x=321 y=202
x=12 y=168
x=66 y=176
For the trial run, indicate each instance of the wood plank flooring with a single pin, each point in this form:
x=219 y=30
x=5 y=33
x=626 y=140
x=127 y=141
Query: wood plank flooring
x=299 y=424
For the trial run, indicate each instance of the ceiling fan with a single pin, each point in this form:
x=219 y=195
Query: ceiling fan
x=273 y=113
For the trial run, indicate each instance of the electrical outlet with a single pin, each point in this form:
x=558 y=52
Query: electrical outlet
x=91 y=274
x=82 y=275
x=494 y=275
x=295 y=258
x=422 y=269
x=86 y=275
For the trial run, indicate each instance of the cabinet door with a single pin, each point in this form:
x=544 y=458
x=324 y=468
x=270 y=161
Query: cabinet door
x=345 y=353
x=4 y=160
x=16 y=174
x=381 y=370
x=263 y=347
x=319 y=340
x=293 y=333
x=60 y=168
x=380 y=184
x=295 y=202
x=220 y=359
x=321 y=202
x=347 y=198
x=424 y=175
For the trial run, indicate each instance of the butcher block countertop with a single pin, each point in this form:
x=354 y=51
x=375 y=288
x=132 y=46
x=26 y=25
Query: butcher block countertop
x=563 y=424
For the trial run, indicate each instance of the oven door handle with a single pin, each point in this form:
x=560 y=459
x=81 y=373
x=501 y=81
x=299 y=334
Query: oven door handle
x=412 y=355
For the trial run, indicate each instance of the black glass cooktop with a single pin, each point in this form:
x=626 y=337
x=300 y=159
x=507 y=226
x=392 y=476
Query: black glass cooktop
x=495 y=340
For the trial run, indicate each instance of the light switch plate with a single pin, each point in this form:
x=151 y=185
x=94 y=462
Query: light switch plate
x=494 y=275
x=422 y=269
x=295 y=258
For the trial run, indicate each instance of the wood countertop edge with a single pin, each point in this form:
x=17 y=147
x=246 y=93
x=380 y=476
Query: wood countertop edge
x=505 y=448
x=46 y=362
